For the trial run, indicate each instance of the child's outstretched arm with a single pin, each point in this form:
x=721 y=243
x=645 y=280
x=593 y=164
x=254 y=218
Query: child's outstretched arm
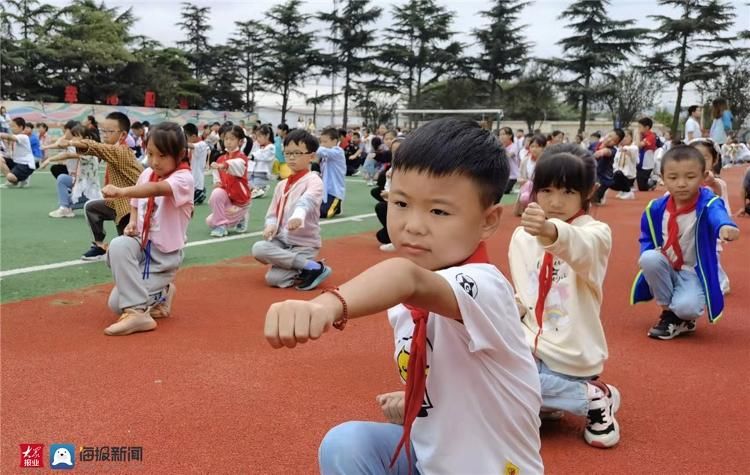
x=721 y=222
x=378 y=288
x=585 y=248
x=144 y=190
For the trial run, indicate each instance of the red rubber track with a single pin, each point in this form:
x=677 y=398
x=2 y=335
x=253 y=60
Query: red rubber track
x=205 y=393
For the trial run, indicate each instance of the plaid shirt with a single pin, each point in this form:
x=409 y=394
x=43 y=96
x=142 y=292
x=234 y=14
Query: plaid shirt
x=122 y=170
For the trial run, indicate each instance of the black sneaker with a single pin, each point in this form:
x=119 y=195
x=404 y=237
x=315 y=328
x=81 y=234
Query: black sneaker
x=670 y=325
x=95 y=253
x=602 y=429
x=309 y=279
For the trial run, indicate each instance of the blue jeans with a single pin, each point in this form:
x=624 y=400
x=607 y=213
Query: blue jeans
x=357 y=447
x=680 y=290
x=561 y=392
x=64 y=188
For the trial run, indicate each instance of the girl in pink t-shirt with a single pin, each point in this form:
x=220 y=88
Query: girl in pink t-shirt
x=145 y=259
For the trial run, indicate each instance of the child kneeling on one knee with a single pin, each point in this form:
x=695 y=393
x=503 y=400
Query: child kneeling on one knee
x=292 y=231
x=144 y=261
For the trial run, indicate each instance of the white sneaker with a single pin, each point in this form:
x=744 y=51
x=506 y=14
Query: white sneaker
x=219 y=231
x=388 y=247
x=627 y=196
x=62 y=213
x=8 y=184
x=620 y=195
x=24 y=183
x=257 y=193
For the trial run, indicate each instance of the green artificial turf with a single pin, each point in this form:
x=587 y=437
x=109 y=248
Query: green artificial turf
x=28 y=237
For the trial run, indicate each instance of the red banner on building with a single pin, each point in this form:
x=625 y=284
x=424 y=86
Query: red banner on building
x=71 y=94
x=150 y=99
x=183 y=103
x=113 y=100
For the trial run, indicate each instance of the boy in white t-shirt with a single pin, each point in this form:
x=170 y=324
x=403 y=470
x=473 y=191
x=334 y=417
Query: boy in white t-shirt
x=22 y=163
x=472 y=395
x=145 y=259
x=198 y=151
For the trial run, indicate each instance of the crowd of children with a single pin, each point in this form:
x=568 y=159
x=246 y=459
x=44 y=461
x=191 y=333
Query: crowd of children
x=499 y=356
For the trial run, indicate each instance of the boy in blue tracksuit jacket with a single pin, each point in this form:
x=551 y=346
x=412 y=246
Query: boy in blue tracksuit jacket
x=679 y=267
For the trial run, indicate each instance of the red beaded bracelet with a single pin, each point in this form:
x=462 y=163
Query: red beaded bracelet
x=340 y=323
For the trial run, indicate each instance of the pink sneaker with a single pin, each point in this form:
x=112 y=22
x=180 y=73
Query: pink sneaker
x=132 y=320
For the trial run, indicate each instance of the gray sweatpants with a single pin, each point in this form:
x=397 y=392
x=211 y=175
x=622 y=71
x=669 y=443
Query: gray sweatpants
x=126 y=260
x=286 y=260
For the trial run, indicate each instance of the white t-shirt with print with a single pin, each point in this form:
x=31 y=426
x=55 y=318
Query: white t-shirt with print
x=482 y=399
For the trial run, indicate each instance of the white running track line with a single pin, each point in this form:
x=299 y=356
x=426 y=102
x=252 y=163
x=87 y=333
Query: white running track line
x=78 y=262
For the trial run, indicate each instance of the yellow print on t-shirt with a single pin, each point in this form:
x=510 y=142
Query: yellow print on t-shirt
x=402 y=360
x=511 y=469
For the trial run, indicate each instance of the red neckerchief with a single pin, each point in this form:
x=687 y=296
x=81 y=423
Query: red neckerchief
x=287 y=187
x=673 y=231
x=152 y=199
x=545 y=284
x=122 y=142
x=416 y=378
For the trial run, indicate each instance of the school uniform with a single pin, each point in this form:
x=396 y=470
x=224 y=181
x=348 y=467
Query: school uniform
x=333 y=172
x=288 y=251
x=142 y=271
x=694 y=284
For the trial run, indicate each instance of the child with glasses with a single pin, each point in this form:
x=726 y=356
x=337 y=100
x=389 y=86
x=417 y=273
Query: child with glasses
x=291 y=237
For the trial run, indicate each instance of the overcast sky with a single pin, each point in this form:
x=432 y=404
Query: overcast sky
x=157 y=19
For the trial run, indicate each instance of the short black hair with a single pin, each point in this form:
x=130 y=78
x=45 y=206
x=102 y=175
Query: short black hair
x=136 y=125
x=190 y=129
x=692 y=109
x=283 y=127
x=42 y=125
x=619 y=132
x=70 y=124
x=646 y=122
x=681 y=152
x=506 y=131
x=596 y=134
x=452 y=146
x=146 y=123
x=356 y=133
x=92 y=119
x=555 y=133
x=342 y=132
x=330 y=132
x=567 y=166
x=539 y=139
x=122 y=120
x=302 y=137
x=20 y=121
x=29 y=125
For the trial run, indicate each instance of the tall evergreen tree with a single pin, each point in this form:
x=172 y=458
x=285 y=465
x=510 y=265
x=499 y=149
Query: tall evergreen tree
x=250 y=43
x=22 y=64
x=701 y=26
x=504 y=49
x=223 y=95
x=196 y=27
x=291 y=54
x=598 y=44
x=416 y=46
x=86 y=44
x=353 y=40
